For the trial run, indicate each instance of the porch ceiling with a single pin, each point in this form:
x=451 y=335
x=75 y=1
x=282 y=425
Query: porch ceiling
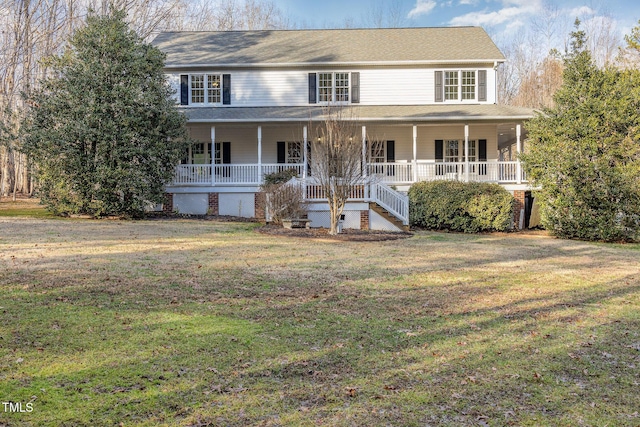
x=361 y=113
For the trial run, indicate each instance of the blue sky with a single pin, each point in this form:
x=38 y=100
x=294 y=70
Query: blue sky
x=497 y=16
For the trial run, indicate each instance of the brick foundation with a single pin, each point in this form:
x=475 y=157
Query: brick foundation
x=260 y=206
x=167 y=204
x=364 y=220
x=213 y=204
x=518 y=206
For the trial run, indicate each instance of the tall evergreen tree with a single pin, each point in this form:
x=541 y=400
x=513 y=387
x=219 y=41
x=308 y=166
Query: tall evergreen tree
x=585 y=152
x=104 y=131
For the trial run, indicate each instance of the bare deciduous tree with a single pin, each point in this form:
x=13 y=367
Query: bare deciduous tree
x=337 y=165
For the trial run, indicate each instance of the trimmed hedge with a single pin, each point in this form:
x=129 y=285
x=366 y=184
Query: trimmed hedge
x=460 y=206
x=280 y=177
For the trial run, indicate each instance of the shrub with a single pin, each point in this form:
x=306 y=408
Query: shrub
x=459 y=206
x=280 y=177
x=284 y=199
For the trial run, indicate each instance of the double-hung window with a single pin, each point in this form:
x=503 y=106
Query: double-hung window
x=333 y=87
x=451 y=88
x=294 y=152
x=461 y=85
x=205 y=89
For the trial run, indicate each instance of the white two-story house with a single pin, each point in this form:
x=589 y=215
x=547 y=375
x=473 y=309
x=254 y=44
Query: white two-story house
x=425 y=99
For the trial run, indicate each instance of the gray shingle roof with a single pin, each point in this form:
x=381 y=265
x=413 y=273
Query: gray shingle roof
x=352 y=46
x=393 y=113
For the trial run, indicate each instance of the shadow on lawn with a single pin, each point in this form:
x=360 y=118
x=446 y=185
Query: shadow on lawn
x=440 y=339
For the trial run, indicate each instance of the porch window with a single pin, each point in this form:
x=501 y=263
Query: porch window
x=289 y=152
x=382 y=152
x=378 y=152
x=294 y=152
x=451 y=151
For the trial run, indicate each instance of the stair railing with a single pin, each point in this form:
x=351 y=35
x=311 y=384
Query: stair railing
x=396 y=203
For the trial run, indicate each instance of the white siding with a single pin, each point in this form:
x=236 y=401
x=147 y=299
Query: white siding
x=379 y=86
x=269 y=88
x=396 y=87
x=237 y=204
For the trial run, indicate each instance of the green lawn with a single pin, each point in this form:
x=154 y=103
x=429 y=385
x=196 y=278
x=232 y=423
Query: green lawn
x=198 y=323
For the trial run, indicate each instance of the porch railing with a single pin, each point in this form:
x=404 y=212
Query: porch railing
x=391 y=173
x=316 y=192
x=229 y=174
x=499 y=172
x=396 y=172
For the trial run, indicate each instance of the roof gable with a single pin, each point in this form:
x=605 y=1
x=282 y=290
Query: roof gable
x=329 y=47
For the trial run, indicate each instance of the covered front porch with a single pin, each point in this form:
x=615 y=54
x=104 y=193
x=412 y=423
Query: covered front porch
x=399 y=155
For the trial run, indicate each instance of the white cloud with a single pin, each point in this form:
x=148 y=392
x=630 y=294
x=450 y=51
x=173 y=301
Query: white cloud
x=468 y=2
x=582 y=11
x=497 y=17
x=422 y=7
x=487 y=18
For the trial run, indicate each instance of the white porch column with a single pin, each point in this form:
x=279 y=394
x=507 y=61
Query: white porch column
x=364 y=152
x=518 y=151
x=304 y=152
x=466 y=153
x=213 y=155
x=415 y=153
x=365 y=164
x=260 y=180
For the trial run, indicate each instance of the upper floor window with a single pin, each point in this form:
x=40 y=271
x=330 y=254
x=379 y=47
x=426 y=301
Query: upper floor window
x=461 y=85
x=205 y=89
x=333 y=87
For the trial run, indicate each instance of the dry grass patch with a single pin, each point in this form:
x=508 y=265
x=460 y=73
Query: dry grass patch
x=202 y=323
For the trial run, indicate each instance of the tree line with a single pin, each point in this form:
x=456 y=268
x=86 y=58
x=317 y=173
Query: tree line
x=32 y=31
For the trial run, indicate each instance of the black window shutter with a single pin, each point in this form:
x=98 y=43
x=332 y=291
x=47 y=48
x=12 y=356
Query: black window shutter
x=439 y=93
x=439 y=156
x=217 y=149
x=391 y=151
x=312 y=88
x=482 y=85
x=439 y=150
x=308 y=159
x=226 y=153
x=391 y=157
x=482 y=150
x=281 y=152
x=355 y=88
x=184 y=89
x=482 y=155
x=226 y=89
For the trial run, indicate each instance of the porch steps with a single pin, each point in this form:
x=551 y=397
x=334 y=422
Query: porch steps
x=388 y=216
